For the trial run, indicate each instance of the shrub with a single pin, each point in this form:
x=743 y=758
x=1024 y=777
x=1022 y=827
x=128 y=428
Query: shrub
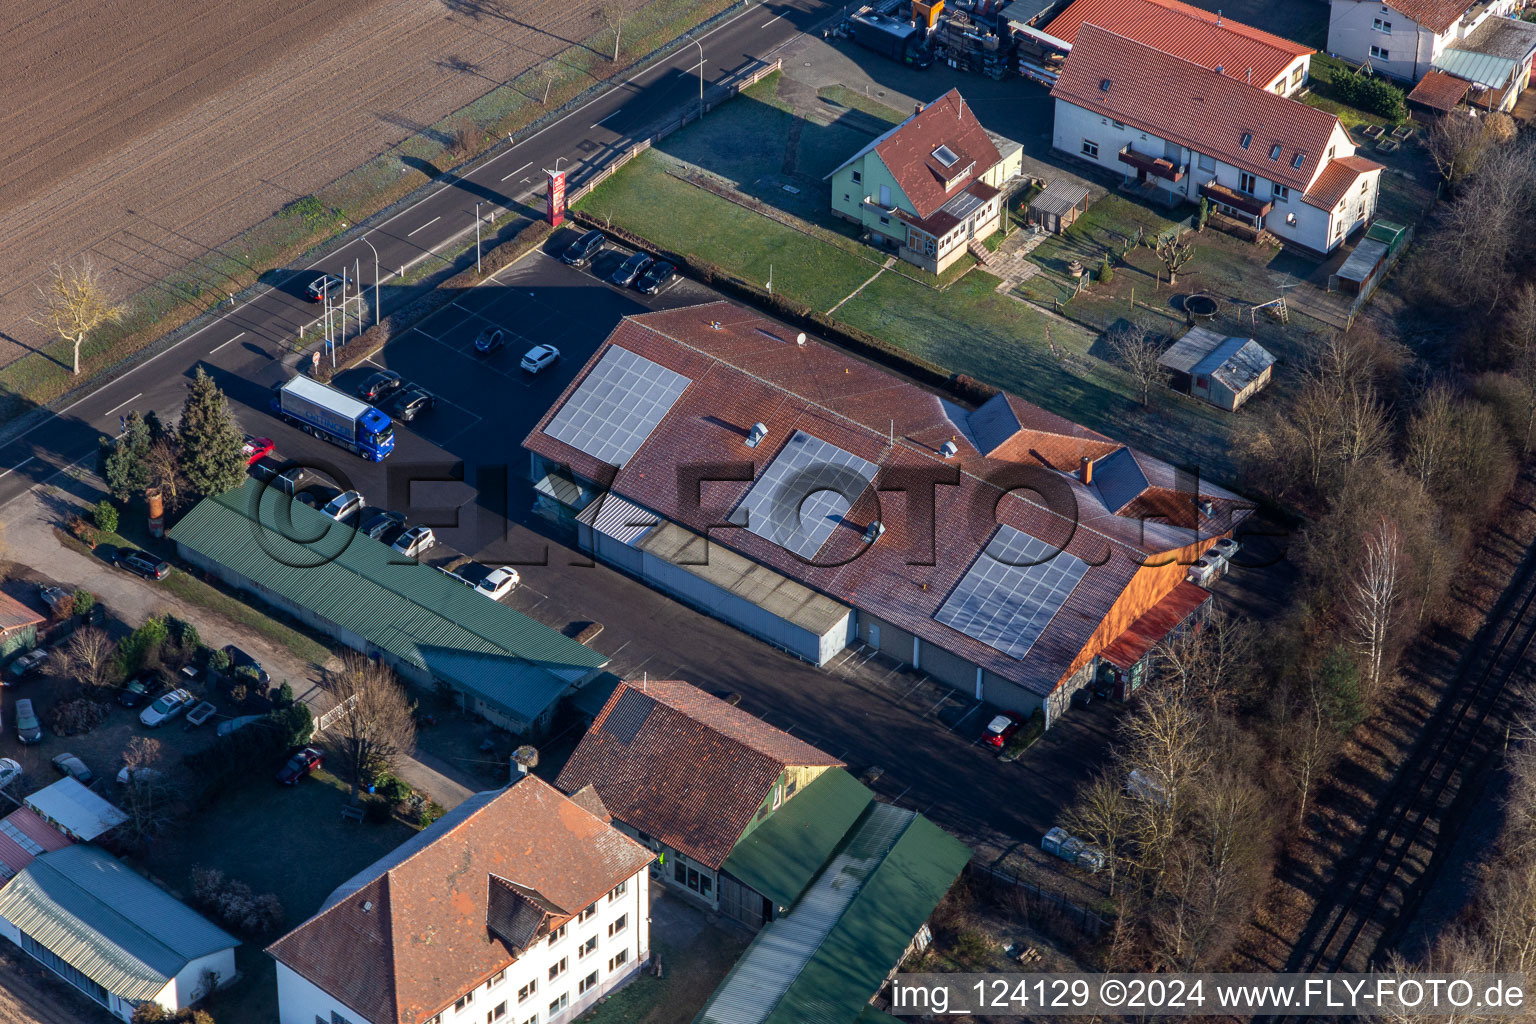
x=1106 y=270
x=75 y=717
x=429 y=813
x=284 y=696
x=239 y=693
x=105 y=515
x=1205 y=213
x=142 y=648
x=84 y=602
x=1371 y=93
x=391 y=788
x=295 y=723
x=82 y=530
x=218 y=661
x=234 y=902
x=377 y=810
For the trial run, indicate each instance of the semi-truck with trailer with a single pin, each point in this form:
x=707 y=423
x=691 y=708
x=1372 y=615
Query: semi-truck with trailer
x=334 y=416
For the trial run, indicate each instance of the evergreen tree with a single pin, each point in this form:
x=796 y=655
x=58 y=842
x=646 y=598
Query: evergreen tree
x=210 y=441
x=1339 y=681
x=124 y=460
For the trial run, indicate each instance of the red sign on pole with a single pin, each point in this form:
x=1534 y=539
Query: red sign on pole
x=554 y=198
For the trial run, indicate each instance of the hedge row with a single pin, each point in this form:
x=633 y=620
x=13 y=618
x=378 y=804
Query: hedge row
x=1370 y=93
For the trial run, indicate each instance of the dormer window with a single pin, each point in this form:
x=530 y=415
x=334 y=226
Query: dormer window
x=1274 y=151
x=1297 y=159
x=945 y=156
x=1247 y=140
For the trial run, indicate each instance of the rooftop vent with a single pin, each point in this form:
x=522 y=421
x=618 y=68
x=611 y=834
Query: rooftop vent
x=367 y=906
x=1207 y=506
x=756 y=434
x=949 y=450
x=876 y=529
x=1220 y=69
x=715 y=324
x=945 y=156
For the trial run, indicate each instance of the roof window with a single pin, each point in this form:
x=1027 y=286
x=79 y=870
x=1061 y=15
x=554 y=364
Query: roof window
x=1103 y=85
x=1297 y=159
x=1274 y=151
x=1247 y=138
x=945 y=156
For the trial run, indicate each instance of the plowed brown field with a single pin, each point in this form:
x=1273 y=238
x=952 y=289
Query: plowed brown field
x=145 y=131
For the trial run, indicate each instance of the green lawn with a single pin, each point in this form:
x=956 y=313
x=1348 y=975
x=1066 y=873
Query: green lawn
x=690 y=975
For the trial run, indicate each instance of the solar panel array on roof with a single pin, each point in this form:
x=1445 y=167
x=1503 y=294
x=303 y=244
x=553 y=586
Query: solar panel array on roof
x=628 y=715
x=617 y=406
x=1011 y=592
x=804 y=493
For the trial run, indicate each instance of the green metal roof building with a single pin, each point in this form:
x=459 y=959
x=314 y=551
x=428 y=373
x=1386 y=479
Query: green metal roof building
x=503 y=665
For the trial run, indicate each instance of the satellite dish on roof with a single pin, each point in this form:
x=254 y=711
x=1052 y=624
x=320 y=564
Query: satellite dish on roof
x=800 y=339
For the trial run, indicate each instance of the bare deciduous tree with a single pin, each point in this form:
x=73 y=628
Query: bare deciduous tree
x=1173 y=253
x=90 y=655
x=150 y=795
x=1207 y=663
x=1102 y=815
x=613 y=15
x=76 y=301
x=550 y=72
x=379 y=726
x=1373 y=602
x=1456 y=144
x=1137 y=354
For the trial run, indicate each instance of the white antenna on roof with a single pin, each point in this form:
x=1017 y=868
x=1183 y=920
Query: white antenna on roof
x=892 y=439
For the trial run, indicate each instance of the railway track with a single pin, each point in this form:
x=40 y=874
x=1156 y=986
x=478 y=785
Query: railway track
x=1371 y=899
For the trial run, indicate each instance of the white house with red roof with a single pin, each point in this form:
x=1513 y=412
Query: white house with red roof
x=930 y=185
x=1196 y=132
x=1403 y=38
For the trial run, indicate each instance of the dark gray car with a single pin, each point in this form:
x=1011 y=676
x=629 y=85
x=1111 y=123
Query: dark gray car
x=631 y=269
x=581 y=251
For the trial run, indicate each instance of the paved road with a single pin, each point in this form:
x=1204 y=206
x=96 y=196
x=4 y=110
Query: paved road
x=248 y=341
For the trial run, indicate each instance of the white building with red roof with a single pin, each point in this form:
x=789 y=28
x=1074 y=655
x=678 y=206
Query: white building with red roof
x=1196 y=132
x=1403 y=38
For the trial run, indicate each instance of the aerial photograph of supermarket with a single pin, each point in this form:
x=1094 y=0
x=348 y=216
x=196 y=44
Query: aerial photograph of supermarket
x=764 y=511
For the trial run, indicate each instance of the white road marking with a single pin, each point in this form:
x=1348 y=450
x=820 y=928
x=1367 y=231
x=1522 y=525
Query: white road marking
x=428 y=224
x=235 y=338
x=606 y=117
x=518 y=171
x=770 y=21
x=18 y=465
x=118 y=406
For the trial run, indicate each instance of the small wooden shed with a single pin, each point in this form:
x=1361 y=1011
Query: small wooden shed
x=1223 y=371
x=1058 y=205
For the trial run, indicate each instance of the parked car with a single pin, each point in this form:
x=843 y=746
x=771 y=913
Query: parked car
x=379 y=385
x=141 y=688
x=344 y=506
x=300 y=765
x=166 y=707
x=69 y=764
x=499 y=583
x=239 y=659
x=1001 y=729
x=539 y=357
x=658 y=277
x=256 y=448
x=414 y=541
x=630 y=269
x=322 y=286
x=489 y=340
x=139 y=776
x=411 y=403
x=10 y=771
x=27 y=664
x=379 y=525
x=580 y=252
x=142 y=563
x=28 y=728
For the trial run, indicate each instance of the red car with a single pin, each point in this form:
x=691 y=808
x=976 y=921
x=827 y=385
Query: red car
x=300 y=765
x=256 y=448
x=1001 y=729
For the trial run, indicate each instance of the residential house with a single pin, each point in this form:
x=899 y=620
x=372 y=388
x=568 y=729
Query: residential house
x=111 y=933
x=498 y=663
x=18 y=626
x=1191 y=132
x=1223 y=371
x=1494 y=60
x=930 y=185
x=1402 y=38
x=1238 y=51
x=681 y=452
x=774 y=834
x=518 y=905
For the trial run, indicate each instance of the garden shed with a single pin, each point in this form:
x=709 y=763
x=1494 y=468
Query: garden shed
x=1223 y=371
x=1058 y=205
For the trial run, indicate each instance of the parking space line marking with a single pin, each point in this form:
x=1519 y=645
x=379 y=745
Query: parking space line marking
x=910 y=692
x=901 y=794
x=235 y=338
x=942 y=700
x=518 y=171
x=962 y=718
x=18 y=465
x=428 y=224
x=119 y=405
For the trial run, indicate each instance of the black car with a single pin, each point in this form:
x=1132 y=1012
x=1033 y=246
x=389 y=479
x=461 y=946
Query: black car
x=410 y=403
x=238 y=659
x=579 y=252
x=141 y=689
x=379 y=385
x=657 y=278
x=631 y=269
x=379 y=524
x=143 y=563
x=490 y=339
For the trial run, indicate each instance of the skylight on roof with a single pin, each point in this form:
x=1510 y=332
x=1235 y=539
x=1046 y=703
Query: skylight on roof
x=1274 y=151
x=1103 y=85
x=1247 y=138
x=1296 y=161
x=945 y=156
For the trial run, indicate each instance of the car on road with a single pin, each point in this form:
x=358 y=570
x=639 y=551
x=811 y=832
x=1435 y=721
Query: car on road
x=658 y=277
x=69 y=764
x=238 y=659
x=344 y=506
x=28 y=728
x=489 y=340
x=1001 y=729
x=539 y=357
x=411 y=403
x=142 y=563
x=141 y=688
x=414 y=541
x=256 y=448
x=499 y=583
x=630 y=269
x=580 y=252
x=139 y=776
x=10 y=771
x=322 y=286
x=300 y=765
x=383 y=526
x=166 y=707
x=27 y=664
x=380 y=385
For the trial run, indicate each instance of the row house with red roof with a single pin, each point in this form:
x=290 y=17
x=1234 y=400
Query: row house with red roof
x=1195 y=131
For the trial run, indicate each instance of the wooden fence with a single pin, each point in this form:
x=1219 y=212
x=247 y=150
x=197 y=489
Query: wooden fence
x=1091 y=922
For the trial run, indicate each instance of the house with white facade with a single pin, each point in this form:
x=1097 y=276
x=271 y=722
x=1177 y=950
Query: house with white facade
x=929 y=186
x=1193 y=132
x=520 y=904
x=1403 y=38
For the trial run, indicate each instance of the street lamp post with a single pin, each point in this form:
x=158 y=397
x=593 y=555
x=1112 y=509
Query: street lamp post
x=477 y=238
x=701 y=76
x=369 y=244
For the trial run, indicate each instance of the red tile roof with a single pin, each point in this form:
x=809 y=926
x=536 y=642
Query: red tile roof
x=908 y=152
x=13 y=855
x=750 y=370
x=678 y=764
x=1435 y=15
x=1183 y=102
x=409 y=934
x=1439 y=90
x=15 y=615
x=1191 y=33
x=1336 y=180
x=1160 y=620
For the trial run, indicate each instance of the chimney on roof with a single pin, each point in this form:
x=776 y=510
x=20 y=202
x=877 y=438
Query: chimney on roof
x=1218 y=17
x=524 y=758
x=756 y=434
x=949 y=450
x=917 y=108
x=1085 y=470
x=875 y=531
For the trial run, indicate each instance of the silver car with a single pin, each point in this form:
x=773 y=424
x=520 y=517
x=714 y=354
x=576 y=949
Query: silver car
x=344 y=506
x=414 y=541
x=165 y=708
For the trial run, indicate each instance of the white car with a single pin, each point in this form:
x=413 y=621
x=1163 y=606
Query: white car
x=144 y=776
x=414 y=541
x=167 y=707
x=499 y=583
x=344 y=506
x=539 y=357
x=10 y=771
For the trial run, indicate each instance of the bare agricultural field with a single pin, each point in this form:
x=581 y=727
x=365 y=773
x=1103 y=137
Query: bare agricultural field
x=146 y=131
